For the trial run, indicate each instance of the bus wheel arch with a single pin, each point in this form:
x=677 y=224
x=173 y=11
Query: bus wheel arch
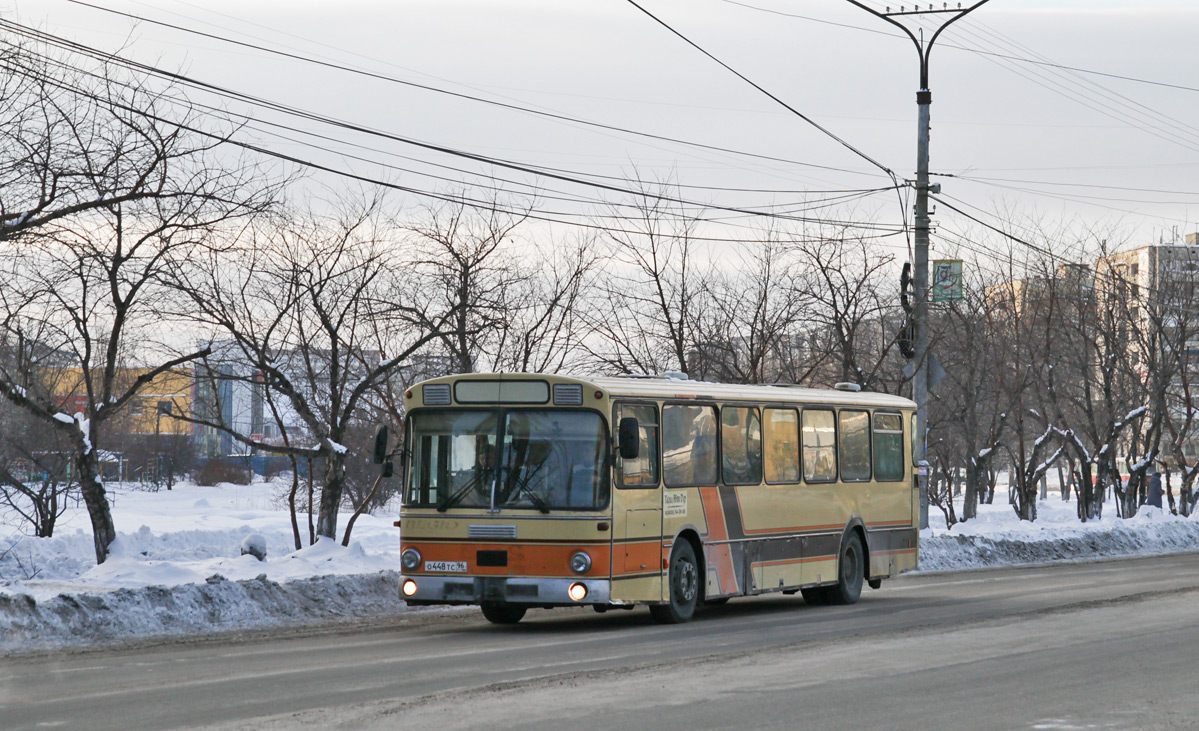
x=848 y=588
x=684 y=584
x=858 y=526
x=690 y=534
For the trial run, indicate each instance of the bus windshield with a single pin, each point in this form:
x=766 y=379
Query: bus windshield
x=528 y=459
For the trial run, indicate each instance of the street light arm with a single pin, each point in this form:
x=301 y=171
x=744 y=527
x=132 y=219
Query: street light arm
x=922 y=51
x=929 y=51
x=897 y=24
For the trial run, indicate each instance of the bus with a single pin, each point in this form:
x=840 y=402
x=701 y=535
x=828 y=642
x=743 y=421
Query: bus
x=532 y=490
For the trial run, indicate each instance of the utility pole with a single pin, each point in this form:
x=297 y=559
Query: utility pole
x=924 y=99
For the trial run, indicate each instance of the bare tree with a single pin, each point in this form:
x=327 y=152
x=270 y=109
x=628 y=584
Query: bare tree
x=321 y=311
x=470 y=268
x=752 y=308
x=100 y=197
x=644 y=313
x=983 y=383
x=35 y=460
x=854 y=323
x=516 y=302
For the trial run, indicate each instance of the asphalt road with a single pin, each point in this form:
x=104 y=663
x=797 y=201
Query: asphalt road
x=1107 y=645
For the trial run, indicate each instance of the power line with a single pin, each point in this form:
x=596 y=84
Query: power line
x=777 y=100
x=1133 y=114
x=490 y=206
x=460 y=95
x=1021 y=59
x=294 y=111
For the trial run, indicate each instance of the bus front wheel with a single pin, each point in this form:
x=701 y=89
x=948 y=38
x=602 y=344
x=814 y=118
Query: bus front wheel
x=497 y=613
x=684 y=587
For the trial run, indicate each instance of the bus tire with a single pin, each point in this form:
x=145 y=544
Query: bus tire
x=498 y=613
x=683 y=580
x=851 y=572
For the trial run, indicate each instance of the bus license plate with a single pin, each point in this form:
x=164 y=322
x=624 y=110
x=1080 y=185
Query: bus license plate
x=458 y=567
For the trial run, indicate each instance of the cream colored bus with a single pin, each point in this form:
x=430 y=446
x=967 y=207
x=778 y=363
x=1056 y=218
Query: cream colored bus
x=528 y=490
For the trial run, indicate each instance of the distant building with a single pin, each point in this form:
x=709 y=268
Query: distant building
x=1160 y=282
x=146 y=413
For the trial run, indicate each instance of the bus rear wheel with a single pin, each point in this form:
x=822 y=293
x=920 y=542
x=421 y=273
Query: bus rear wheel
x=684 y=587
x=497 y=613
x=851 y=571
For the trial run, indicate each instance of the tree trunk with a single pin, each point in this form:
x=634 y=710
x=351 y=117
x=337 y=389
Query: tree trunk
x=291 y=500
x=92 y=487
x=345 y=540
x=335 y=478
x=311 y=528
x=975 y=472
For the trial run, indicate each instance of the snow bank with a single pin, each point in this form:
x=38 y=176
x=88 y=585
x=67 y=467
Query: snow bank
x=996 y=538
x=184 y=536
x=215 y=604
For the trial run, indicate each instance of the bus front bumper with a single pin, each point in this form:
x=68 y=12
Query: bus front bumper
x=477 y=589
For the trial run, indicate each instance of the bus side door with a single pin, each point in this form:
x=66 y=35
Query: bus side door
x=637 y=511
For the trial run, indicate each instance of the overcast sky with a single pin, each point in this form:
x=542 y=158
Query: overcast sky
x=1035 y=134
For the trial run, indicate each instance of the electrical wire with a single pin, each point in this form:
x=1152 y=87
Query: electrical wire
x=459 y=95
x=489 y=206
x=944 y=44
x=293 y=111
x=777 y=100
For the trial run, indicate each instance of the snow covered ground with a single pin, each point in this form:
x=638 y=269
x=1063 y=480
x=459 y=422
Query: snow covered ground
x=997 y=538
x=178 y=568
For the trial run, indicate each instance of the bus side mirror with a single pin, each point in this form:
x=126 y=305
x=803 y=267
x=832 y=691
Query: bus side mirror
x=629 y=435
x=380 y=455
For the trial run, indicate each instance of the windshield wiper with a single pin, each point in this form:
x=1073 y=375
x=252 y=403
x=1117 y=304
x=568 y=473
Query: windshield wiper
x=453 y=498
x=538 y=501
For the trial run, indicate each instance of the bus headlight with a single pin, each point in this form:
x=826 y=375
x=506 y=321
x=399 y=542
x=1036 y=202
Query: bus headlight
x=578 y=592
x=580 y=563
x=410 y=559
x=409 y=587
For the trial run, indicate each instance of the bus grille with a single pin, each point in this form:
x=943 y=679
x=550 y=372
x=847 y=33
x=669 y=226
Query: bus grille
x=491 y=531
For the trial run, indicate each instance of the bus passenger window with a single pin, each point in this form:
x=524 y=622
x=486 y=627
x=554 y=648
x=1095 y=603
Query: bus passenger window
x=781 y=429
x=688 y=445
x=642 y=471
x=888 y=447
x=853 y=441
x=819 y=446
x=741 y=445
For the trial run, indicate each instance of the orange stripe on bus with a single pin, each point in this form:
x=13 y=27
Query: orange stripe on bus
x=523 y=560
x=720 y=555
